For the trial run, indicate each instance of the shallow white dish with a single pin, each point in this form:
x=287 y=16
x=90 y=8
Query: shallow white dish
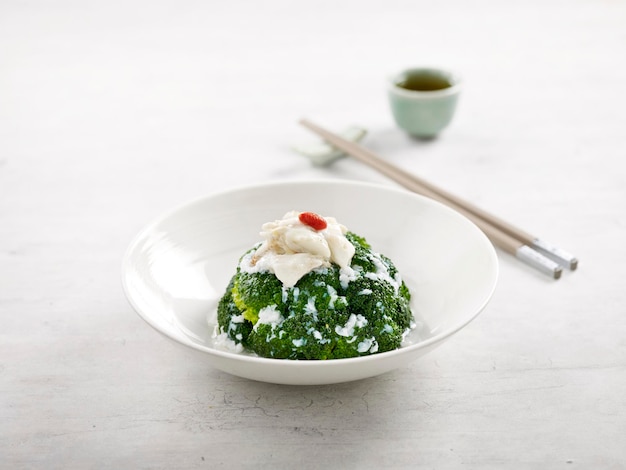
x=177 y=268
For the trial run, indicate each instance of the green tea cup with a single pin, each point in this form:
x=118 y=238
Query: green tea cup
x=423 y=100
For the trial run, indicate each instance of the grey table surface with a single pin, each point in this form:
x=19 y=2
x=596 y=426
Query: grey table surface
x=112 y=113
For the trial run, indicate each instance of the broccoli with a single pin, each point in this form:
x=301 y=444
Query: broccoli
x=324 y=316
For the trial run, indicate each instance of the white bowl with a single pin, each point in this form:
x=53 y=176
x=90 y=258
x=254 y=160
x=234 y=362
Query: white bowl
x=177 y=268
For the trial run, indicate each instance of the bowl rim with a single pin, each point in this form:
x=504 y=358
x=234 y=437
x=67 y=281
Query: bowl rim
x=439 y=337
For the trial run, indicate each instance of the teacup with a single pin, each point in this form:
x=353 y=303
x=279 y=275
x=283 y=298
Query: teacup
x=423 y=100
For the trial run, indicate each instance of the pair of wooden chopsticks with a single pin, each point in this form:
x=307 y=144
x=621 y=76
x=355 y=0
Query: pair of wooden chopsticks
x=524 y=246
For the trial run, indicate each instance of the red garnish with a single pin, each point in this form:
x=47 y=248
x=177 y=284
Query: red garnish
x=313 y=220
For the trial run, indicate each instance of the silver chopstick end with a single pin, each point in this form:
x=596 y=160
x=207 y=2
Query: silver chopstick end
x=557 y=273
x=537 y=260
x=556 y=254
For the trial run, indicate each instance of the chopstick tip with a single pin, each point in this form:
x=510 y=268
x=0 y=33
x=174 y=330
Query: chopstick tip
x=559 y=255
x=539 y=261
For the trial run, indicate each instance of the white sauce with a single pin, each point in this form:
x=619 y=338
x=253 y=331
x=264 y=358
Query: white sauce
x=368 y=344
x=347 y=330
x=269 y=316
x=223 y=342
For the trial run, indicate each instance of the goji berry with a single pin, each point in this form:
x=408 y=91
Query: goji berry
x=313 y=220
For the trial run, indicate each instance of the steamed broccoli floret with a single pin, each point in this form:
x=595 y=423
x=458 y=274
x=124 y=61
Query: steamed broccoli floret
x=251 y=292
x=388 y=313
x=322 y=316
x=362 y=252
x=230 y=318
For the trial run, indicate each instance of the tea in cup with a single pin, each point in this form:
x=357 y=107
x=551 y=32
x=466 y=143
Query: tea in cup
x=423 y=100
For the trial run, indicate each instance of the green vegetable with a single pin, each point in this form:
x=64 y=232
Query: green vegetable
x=323 y=316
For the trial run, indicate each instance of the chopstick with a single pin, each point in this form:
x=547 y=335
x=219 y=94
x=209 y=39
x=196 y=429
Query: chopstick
x=530 y=249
